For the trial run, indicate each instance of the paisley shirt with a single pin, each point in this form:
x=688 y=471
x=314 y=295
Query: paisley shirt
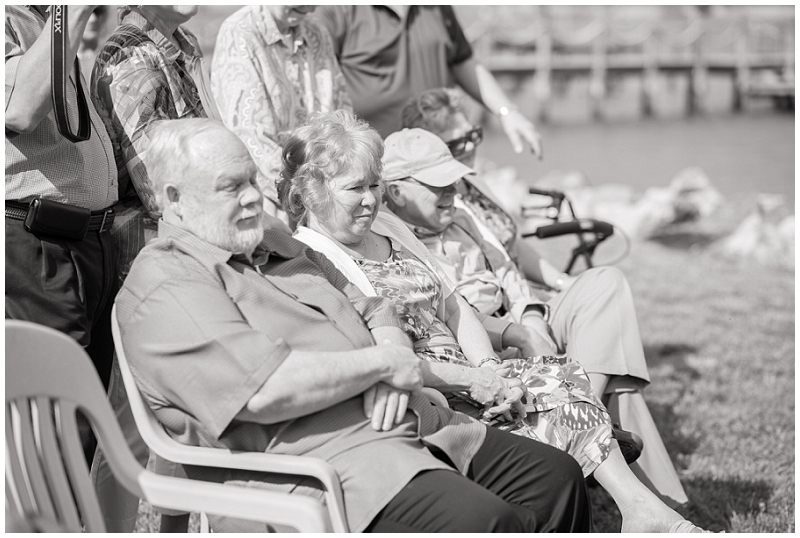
x=266 y=84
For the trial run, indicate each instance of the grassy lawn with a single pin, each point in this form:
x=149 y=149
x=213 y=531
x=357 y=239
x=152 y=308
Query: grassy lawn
x=719 y=340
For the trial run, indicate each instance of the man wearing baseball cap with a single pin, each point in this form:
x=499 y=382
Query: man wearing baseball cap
x=421 y=176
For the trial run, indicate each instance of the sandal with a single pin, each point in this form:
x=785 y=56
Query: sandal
x=630 y=444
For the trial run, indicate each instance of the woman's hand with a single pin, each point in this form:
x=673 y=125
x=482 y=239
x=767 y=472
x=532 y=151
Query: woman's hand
x=487 y=387
x=502 y=369
x=385 y=405
x=498 y=394
x=513 y=401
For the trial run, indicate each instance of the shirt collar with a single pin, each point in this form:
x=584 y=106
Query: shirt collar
x=188 y=44
x=272 y=35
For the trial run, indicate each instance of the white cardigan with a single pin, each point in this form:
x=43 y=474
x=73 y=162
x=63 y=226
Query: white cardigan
x=388 y=225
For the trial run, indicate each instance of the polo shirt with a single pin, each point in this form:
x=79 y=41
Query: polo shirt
x=204 y=330
x=387 y=59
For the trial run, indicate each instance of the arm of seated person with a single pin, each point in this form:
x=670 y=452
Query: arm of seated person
x=389 y=335
x=467 y=328
x=496 y=393
x=310 y=381
x=192 y=348
x=539 y=270
x=532 y=337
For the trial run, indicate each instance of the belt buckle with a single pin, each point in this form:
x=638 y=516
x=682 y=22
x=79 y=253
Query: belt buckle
x=103 y=223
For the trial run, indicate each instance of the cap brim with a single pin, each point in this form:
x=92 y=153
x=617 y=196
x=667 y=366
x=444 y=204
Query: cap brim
x=443 y=174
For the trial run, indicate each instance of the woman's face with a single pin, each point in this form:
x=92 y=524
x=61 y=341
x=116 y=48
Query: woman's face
x=354 y=204
x=459 y=126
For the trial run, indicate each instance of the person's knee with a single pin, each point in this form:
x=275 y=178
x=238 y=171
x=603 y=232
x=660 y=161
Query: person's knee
x=499 y=516
x=568 y=470
x=507 y=519
x=606 y=277
x=605 y=281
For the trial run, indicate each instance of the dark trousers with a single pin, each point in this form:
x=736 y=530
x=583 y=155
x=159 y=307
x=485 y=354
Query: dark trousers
x=514 y=484
x=67 y=285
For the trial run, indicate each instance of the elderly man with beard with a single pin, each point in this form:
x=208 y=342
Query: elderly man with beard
x=262 y=345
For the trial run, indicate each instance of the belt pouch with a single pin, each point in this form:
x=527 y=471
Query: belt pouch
x=46 y=217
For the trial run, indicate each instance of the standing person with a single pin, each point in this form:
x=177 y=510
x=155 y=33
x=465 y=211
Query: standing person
x=287 y=357
x=55 y=277
x=150 y=69
x=611 y=353
x=390 y=53
x=272 y=69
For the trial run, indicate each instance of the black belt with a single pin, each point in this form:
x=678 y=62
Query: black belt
x=99 y=221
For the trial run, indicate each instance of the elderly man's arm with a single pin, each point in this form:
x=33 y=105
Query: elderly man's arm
x=191 y=344
x=307 y=382
x=538 y=269
x=28 y=78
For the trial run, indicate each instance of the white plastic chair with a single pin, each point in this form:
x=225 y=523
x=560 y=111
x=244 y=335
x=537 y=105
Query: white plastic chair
x=48 y=378
x=165 y=446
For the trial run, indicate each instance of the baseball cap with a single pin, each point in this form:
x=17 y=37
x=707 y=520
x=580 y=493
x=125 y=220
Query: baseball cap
x=422 y=155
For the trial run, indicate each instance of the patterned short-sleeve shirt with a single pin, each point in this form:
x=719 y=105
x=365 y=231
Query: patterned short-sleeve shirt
x=267 y=84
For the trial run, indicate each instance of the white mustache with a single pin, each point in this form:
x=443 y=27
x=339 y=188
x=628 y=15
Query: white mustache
x=246 y=214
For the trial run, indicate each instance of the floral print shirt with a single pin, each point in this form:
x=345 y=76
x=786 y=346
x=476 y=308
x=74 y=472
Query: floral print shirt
x=415 y=293
x=266 y=84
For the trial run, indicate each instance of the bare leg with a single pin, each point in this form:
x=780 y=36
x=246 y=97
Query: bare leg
x=599 y=382
x=641 y=510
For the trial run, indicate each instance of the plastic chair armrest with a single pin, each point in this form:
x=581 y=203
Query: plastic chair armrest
x=303 y=513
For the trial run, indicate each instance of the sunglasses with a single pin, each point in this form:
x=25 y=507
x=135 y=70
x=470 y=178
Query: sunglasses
x=459 y=145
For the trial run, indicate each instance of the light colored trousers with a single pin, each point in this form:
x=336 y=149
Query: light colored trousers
x=594 y=322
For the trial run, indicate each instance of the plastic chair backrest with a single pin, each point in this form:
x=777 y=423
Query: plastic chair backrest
x=48 y=378
x=157 y=439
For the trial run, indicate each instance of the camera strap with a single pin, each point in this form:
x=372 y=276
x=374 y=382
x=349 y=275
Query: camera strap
x=60 y=74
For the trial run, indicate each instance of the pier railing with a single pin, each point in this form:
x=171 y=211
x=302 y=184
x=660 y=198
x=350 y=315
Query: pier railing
x=537 y=44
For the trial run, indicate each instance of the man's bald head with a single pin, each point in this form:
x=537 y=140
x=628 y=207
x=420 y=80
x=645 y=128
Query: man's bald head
x=205 y=182
x=180 y=152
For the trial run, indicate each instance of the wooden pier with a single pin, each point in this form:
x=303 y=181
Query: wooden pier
x=537 y=44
